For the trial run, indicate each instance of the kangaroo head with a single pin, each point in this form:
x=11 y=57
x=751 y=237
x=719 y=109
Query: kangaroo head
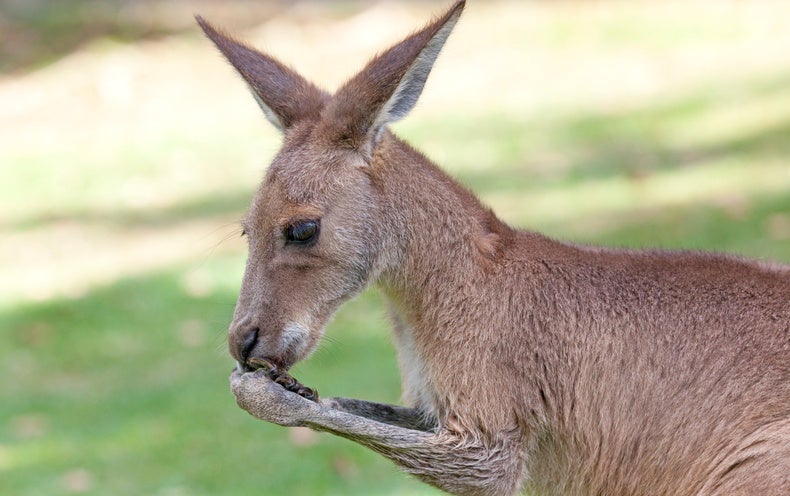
x=314 y=226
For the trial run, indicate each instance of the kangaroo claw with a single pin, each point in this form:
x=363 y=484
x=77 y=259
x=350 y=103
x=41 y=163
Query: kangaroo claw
x=283 y=378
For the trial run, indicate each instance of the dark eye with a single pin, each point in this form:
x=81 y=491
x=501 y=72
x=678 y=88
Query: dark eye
x=302 y=232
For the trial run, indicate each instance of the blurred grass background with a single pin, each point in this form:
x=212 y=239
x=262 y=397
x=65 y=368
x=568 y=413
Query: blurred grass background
x=129 y=150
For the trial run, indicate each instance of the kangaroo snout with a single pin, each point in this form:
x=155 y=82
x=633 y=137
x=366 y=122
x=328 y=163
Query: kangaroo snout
x=246 y=342
x=242 y=339
x=280 y=344
x=250 y=340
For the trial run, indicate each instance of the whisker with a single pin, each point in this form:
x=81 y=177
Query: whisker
x=236 y=231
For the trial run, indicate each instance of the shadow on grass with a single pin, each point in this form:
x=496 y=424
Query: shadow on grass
x=129 y=385
x=757 y=227
x=506 y=153
x=194 y=208
x=37 y=32
x=497 y=153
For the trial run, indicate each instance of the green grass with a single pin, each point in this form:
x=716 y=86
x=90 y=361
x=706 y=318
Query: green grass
x=113 y=361
x=130 y=384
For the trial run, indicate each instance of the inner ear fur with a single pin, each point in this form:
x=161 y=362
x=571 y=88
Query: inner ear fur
x=387 y=89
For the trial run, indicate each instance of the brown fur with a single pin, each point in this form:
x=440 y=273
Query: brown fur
x=527 y=363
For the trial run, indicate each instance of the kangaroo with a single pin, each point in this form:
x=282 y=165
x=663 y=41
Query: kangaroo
x=527 y=364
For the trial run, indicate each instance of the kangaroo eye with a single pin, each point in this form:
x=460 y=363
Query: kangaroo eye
x=302 y=232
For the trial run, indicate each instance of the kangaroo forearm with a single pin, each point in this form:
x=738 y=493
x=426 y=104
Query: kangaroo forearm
x=364 y=430
x=408 y=418
x=460 y=465
x=465 y=467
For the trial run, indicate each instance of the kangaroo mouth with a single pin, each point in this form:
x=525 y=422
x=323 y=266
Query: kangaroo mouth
x=279 y=374
x=270 y=365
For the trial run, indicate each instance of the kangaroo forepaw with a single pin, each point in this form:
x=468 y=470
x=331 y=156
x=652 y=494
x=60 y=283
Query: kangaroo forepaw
x=267 y=400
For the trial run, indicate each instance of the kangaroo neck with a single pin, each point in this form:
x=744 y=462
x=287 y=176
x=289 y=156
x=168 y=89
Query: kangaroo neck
x=441 y=240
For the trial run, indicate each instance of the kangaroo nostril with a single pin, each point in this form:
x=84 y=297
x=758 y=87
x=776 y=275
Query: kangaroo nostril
x=249 y=344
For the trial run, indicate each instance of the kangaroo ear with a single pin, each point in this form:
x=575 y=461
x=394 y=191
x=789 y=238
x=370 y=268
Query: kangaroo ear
x=388 y=87
x=284 y=96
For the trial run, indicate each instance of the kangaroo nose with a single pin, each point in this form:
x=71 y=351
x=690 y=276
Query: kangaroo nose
x=247 y=343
